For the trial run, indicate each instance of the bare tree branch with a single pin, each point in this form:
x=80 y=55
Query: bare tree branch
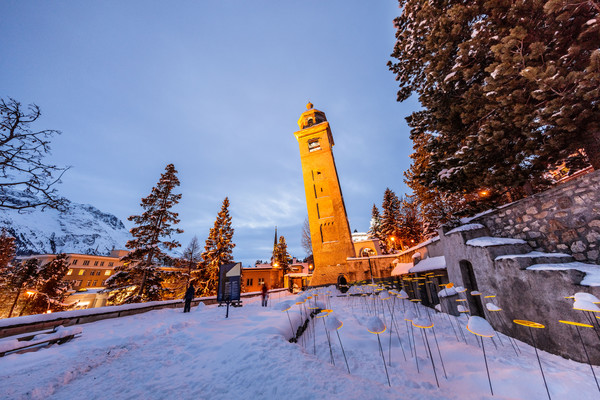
x=22 y=165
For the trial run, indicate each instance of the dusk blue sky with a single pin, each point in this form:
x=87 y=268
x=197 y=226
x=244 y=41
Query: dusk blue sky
x=215 y=87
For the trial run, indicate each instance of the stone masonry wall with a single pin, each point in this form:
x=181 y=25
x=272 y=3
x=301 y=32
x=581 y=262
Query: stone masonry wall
x=564 y=219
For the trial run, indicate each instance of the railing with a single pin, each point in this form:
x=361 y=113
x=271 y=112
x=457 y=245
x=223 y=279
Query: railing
x=32 y=323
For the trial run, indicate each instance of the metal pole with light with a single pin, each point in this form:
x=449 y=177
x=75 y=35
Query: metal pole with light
x=370 y=267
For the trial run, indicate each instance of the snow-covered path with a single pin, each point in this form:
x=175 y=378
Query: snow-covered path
x=167 y=354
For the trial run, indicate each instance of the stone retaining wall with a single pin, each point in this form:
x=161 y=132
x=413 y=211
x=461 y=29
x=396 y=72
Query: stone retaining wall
x=564 y=219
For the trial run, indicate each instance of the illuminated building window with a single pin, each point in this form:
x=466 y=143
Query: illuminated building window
x=74 y=262
x=314 y=145
x=70 y=272
x=261 y=281
x=81 y=271
x=86 y=262
x=110 y=264
x=95 y=263
x=107 y=272
x=102 y=263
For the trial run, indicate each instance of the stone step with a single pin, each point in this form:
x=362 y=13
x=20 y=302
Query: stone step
x=469 y=231
x=497 y=246
x=522 y=261
x=591 y=272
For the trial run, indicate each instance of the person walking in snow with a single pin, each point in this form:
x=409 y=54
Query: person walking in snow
x=189 y=296
x=264 y=294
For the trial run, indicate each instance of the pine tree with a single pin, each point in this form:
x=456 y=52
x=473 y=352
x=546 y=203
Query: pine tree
x=21 y=276
x=375 y=223
x=390 y=221
x=218 y=250
x=51 y=289
x=437 y=207
x=411 y=225
x=140 y=279
x=281 y=256
x=7 y=250
x=509 y=89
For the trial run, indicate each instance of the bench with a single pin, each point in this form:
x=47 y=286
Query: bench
x=29 y=342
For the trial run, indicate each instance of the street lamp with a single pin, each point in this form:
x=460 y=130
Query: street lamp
x=32 y=292
x=367 y=251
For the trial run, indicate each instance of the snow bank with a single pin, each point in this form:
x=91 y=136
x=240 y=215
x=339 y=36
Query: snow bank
x=531 y=254
x=167 y=354
x=463 y=228
x=592 y=271
x=486 y=241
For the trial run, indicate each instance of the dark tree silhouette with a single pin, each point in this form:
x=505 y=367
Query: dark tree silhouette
x=22 y=165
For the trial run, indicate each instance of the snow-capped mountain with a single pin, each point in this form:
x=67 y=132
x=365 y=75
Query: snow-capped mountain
x=82 y=228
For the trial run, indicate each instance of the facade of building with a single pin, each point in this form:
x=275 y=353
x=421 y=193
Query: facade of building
x=298 y=276
x=254 y=277
x=365 y=245
x=329 y=229
x=87 y=275
x=86 y=271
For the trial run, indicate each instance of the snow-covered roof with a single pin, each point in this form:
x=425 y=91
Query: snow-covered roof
x=422 y=244
x=486 y=241
x=401 y=268
x=429 y=264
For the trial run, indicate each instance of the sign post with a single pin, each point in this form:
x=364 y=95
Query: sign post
x=229 y=284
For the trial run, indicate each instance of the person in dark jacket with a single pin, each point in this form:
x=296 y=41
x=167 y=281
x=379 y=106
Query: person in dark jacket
x=189 y=296
x=264 y=294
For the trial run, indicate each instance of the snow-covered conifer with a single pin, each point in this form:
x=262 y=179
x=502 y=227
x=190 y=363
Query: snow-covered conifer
x=218 y=250
x=18 y=277
x=391 y=219
x=508 y=90
x=7 y=250
x=281 y=255
x=50 y=288
x=140 y=279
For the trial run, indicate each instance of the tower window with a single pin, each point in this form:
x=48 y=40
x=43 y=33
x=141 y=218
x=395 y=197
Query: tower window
x=314 y=145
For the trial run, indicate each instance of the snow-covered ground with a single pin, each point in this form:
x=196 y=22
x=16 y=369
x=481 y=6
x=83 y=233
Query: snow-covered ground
x=167 y=354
